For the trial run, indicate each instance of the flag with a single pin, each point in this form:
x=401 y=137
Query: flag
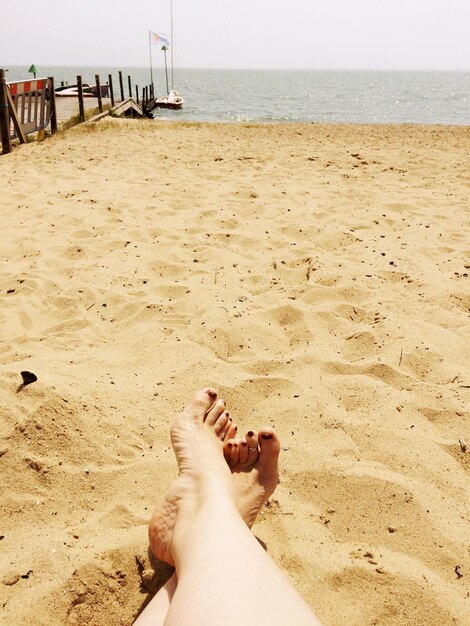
x=159 y=39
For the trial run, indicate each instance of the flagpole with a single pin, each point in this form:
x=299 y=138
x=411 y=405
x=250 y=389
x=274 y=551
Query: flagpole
x=150 y=53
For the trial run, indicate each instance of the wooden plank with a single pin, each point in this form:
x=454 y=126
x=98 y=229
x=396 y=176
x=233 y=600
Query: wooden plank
x=14 y=117
x=111 y=92
x=127 y=106
x=37 y=95
x=98 y=93
x=22 y=106
x=121 y=86
x=53 y=105
x=4 y=115
x=30 y=108
x=81 y=106
x=97 y=117
x=68 y=108
x=42 y=107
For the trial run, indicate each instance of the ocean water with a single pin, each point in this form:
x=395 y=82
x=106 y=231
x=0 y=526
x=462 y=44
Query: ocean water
x=296 y=95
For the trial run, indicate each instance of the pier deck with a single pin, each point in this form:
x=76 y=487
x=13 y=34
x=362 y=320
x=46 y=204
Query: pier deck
x=68 y=107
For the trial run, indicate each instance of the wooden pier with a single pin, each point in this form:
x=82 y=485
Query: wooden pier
x=32 y=107
x=68 y=108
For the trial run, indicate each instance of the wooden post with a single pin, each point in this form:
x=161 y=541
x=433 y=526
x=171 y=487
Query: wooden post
x=98 y=93
x=53 y=106
x=15 y=119
x=137 y=94
x=151 y=92
x=111 y=92
x=81 y=105
x=4 y=115
x=130 y=86
x=121 y=86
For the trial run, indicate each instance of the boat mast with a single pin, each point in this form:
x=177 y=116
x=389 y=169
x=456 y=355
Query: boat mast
x=172 y=45
x=164 y=48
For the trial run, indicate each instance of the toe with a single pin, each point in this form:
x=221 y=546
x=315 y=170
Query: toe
x=243 y=447
x=270 y=447
x=215 y=412
x=228 y=445
x=229 y=427
x=221 y=423
x=201 y=402
x=252 y=444
x=231 y=431
x=234 y=454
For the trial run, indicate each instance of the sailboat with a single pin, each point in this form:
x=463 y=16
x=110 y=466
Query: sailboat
x=172 y=100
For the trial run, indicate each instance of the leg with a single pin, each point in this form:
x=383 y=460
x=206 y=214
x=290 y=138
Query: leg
x=156 y=610
x=253 y=461
x=208 y=566
x=191 y=529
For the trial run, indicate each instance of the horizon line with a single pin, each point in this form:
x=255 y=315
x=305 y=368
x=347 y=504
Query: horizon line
x=254 y=69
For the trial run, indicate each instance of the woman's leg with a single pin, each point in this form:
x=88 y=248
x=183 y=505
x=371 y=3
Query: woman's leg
x=225 y=429
x=210 y=570
x=156 y=610
x=191 y=530
x=253 y=461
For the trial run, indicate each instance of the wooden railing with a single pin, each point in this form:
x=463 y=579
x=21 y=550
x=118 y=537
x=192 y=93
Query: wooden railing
x=146 y=94
x=26 y=106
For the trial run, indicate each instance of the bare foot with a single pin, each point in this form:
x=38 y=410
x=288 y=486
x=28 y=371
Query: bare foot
x=198 y=451
x=253 y=461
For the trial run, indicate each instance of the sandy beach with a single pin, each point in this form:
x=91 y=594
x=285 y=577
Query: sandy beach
x=317 y=277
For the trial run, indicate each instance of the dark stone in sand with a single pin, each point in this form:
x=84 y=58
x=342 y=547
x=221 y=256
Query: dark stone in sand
x=28 y=378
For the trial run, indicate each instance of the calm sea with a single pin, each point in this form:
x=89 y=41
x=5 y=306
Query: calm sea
x=297 y=95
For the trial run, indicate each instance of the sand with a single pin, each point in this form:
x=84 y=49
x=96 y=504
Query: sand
x=317 y=276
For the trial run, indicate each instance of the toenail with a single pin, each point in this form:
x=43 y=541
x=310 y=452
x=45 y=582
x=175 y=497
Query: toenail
x=211 y=393
x=230 y=445
x=250 y=433
x=227 y=413
x=266 y=436
x=244 y=444
x=235 y=428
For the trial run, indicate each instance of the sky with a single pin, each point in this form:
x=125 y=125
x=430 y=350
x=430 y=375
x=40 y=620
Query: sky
x=257 y=34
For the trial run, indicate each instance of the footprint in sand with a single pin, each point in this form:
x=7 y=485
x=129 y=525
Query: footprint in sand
x=360 y=345
x=386 y=597
x=74 y=253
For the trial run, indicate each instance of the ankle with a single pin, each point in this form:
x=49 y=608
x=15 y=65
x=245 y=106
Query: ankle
x=215 y=489
x=214 y=509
